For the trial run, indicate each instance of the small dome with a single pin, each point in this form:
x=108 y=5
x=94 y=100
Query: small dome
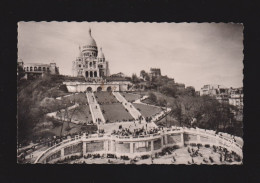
x=80 y=52
x=101 y=54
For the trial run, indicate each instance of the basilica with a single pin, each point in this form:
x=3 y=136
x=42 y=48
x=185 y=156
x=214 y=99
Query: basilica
x=91 y=62
x=92 y=65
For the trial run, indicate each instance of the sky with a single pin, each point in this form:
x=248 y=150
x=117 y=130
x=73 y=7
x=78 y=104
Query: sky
x=192 y=53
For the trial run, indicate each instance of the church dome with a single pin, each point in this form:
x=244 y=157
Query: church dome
x=90 y=42
x=101 y=54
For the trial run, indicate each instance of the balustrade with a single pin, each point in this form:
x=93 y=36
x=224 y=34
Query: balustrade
x=108 y=143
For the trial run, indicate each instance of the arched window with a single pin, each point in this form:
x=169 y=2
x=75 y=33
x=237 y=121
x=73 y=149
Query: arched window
x=35 y=68
x=27 y=68
x=90 y=64
x=31 y=69
x=91 y=74
x=95 y=74
x=39 y=68
x=86 y=74
x=43 y=68
x=79 y=65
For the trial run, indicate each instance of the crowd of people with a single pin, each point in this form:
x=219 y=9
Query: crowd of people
x=136 y=132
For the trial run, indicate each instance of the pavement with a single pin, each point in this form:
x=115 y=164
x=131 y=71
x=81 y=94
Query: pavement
x=94 y=108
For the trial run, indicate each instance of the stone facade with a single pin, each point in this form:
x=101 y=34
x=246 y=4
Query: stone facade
x=75 y=87
x=90 y=63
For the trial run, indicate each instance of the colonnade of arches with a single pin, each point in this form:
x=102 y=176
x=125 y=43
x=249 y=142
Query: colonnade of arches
x=99 y=89
x=91 y=74
x=36 y=68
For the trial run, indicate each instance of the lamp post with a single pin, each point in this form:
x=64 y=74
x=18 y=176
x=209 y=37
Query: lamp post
x=166 y=110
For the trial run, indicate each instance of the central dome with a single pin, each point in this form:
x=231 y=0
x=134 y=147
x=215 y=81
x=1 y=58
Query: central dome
x=90 y=41
x=90 y=45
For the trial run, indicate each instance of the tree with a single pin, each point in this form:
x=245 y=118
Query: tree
x=152 y=97
x=147 y=77
x=190 y=91
x=142 y=74
x=135 y=79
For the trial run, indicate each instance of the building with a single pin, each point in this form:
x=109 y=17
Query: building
x=233 y=96
x=213 y=90
x=179 y=86
x=236 y=97
x=33 y=70
x=90 y=63
x=220 y=92
x=155 y=72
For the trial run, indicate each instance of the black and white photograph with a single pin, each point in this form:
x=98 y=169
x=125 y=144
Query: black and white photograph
x=130 y=93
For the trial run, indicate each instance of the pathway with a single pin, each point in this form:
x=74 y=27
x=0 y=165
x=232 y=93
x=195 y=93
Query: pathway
x=94 y=108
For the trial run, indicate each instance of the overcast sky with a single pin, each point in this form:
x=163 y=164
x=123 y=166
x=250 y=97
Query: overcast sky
x=192 y=53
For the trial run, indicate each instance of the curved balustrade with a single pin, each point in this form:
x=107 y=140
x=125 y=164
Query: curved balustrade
x=138 y=146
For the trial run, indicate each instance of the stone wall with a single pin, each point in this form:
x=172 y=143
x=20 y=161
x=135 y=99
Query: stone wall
x=83 y=87
x=94 y=146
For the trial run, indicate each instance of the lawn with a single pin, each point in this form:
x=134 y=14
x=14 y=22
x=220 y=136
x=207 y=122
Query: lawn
x=130 y=97
x=146 y=110
x=105 y=97
x=159 y=96
x=80 y=114
x=170 y=121
x=73 y=128
x=115 y=112
x=77 y=97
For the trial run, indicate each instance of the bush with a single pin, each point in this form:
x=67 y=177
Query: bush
x=207 y=145
x=124 y=157
x=152 y=97
x=199 y=145
x=193 y=144
x=145 y=157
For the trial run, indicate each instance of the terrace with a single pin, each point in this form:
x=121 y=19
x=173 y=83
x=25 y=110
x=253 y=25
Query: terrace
x=79 y=115
x=115 y=112
x=130 y=97
x=105 y=98
x=147 y=110
x=78 y=98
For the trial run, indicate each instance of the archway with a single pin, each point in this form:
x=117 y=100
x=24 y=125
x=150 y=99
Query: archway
x=99 y=89
x=95 y=74
x=89 y=89
x=86 y=74
x=91 y=74
x=109 y=89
